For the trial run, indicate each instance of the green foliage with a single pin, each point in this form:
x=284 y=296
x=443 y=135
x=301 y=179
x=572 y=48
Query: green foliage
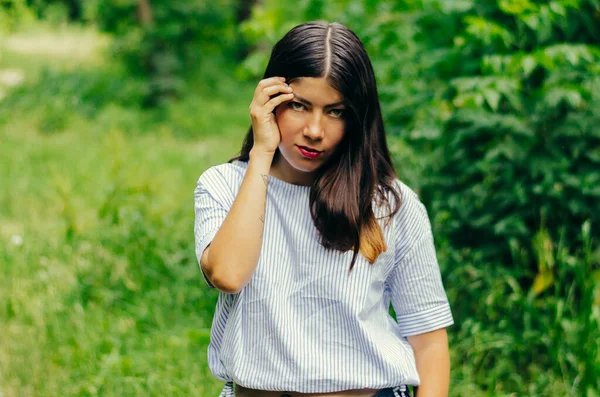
x=14 y=14
x=519 y=138
x=68 y=96
x=514 y=340
x=109 y=98
x=161 y=41
x=18 y=14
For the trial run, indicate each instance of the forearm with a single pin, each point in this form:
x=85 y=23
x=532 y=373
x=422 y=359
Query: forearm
x=433 y=363
x=236 y=247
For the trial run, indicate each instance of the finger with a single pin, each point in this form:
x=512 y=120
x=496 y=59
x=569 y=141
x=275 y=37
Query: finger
x=276 y=89
x=268 y=82
x=269 y=92
x=278 y=100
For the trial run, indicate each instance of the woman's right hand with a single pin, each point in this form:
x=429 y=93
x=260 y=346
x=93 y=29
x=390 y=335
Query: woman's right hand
x=264 y=127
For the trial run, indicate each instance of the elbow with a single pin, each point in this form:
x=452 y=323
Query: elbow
x=225 y=282
x=224 y=278
x=227 y=286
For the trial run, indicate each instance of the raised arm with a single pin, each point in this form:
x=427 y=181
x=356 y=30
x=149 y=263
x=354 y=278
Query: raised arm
x=232 y=256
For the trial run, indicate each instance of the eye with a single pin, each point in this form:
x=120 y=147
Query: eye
x=337 y=113
x=296 y=106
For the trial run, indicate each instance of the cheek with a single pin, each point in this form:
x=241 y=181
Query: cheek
x=287 y=123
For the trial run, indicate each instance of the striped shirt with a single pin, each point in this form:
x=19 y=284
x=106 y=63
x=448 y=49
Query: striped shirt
x=303 y=323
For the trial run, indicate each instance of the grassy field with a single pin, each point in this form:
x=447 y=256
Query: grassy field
x=99 y=290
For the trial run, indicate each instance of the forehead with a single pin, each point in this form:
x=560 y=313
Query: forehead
x=316 y=90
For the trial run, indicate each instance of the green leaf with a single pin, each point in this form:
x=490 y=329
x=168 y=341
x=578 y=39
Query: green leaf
x=528 y=63
x=492 y=97
x=516 y=6
x=542 y=282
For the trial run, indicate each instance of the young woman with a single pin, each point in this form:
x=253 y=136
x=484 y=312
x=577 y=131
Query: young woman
x=309 y=235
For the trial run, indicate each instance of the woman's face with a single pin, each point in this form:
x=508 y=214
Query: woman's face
x=314 y=119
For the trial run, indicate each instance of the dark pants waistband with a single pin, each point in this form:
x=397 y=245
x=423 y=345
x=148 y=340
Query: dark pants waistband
x=399 y=391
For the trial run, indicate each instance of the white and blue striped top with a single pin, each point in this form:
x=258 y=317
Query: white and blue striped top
x=304 y=323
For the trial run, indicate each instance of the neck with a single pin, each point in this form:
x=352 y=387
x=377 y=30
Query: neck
x=280 y=171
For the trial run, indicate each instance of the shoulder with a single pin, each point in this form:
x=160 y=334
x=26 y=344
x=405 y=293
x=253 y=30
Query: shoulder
x=411 y=222
x=410 y=203
x=222 y=180
x=226 y=173
x=406 y=193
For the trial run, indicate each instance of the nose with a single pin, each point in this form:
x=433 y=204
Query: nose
x=314 y=127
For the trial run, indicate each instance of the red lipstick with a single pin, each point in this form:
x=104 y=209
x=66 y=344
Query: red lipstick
x=309 y=152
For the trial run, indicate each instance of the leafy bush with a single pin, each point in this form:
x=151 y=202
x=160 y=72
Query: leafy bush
x=161 y=41
x=518 y=150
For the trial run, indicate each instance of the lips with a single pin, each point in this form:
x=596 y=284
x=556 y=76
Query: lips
x=307 y=153
x=309 y=149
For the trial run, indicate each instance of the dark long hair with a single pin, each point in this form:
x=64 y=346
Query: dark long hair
x=361 y=167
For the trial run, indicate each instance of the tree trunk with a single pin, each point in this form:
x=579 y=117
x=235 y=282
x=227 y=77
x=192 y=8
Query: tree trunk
x=244 y=10
x=144 y=12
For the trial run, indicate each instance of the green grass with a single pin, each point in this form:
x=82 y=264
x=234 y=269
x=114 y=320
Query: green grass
x=99 y=290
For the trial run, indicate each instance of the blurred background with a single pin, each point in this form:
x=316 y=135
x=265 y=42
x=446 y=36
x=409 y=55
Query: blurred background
x=110 y=110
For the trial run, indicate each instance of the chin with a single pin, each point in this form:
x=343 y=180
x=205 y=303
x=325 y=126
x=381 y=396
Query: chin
x=307 y=170
x=303 y=167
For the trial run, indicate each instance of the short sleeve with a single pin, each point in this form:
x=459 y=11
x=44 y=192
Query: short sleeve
x=211 y=207
x=415 y=283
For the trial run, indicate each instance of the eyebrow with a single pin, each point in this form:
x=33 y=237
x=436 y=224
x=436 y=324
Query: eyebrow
x=310 y=104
